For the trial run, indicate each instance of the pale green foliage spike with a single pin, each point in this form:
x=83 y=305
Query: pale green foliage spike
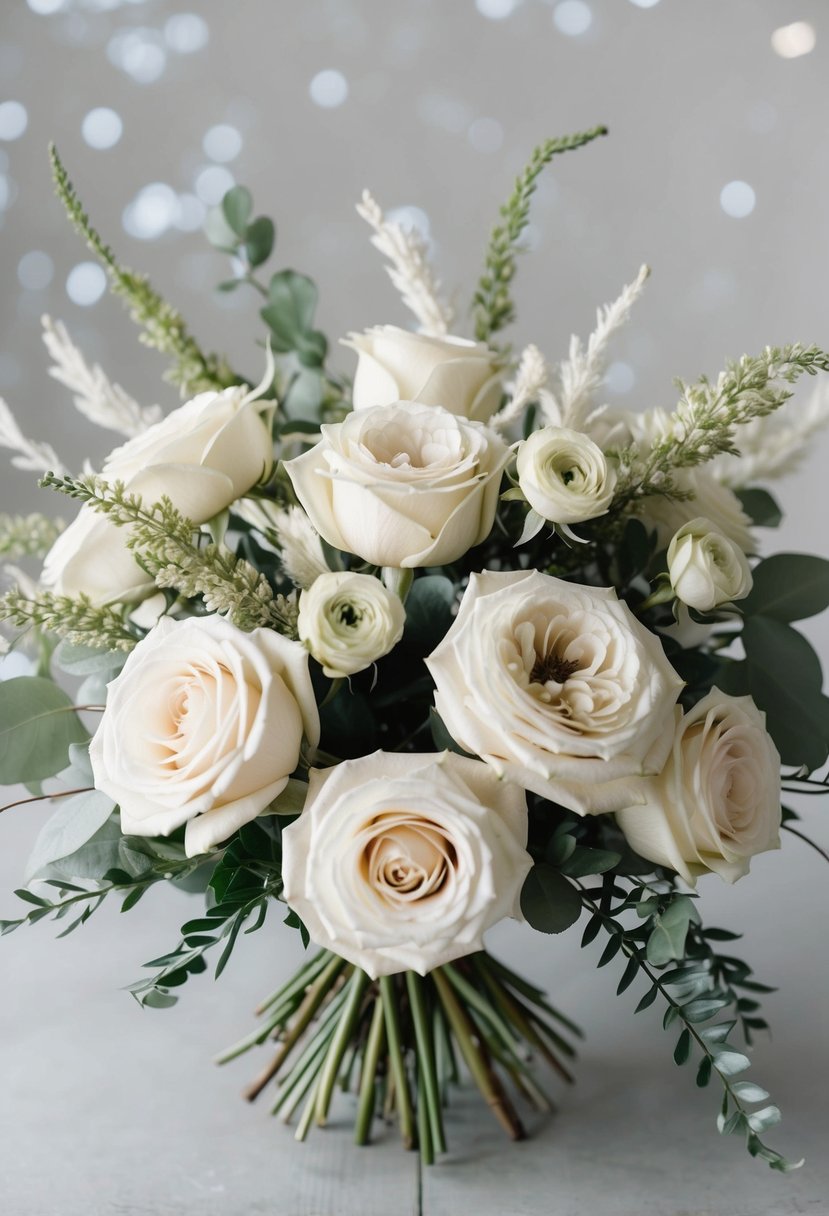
x=492 y=304
x=704 y=423
x=71 y=617
x=163 y=327
x=27 y=535
x=169 y=547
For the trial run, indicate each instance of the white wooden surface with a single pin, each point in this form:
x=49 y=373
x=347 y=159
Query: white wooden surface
x=106 y=1110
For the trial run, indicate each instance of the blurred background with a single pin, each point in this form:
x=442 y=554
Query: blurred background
x=715 y=173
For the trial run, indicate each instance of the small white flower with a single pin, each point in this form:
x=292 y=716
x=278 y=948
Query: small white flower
x=397 y=365
x=706 y=568
x=348 y=621
x=403 y=861
x=556 y=686
x=402 y=485
x=564 y=475
x=717 y=801
x=203 y=726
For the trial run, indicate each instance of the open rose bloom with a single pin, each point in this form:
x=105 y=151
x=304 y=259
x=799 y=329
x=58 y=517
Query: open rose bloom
x=396 y=651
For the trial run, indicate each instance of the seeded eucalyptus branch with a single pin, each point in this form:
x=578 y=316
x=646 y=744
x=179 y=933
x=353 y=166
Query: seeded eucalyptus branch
x=163 y=327
x=704 y=423
x=492 y=304
x=169 y=547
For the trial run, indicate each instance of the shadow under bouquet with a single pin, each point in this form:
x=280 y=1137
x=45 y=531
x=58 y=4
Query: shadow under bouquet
x=400 y=657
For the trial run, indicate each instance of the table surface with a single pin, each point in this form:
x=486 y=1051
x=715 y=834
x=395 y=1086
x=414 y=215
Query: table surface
x=107 y=1109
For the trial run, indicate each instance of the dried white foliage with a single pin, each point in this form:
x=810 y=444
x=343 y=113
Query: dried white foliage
x=29 y=454
x=94 y=395
x=582 y=372
x=290 y=531
x=776 y=444
x=530 y=385
x=410 y=270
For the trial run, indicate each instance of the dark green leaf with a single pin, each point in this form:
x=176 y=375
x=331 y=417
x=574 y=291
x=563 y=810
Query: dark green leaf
x=704 y=1072
x=647 y=1000
x=259 y=239
x=610 y=951
x=591 y=931
x=428 y=612
x=760 y=507
x=549 y=902
x=628 y=976
x=682 y=1051
x=789 y=587
x=586 y=861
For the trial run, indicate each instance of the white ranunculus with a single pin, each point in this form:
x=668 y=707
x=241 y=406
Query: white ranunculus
x=396 y=365
x=558 y=687
x=402 y=485
x=203 y=726
x=403 y=861
x=717 y=801
x=348 y=621
x=706 y=568
x=202 y=456
x=564 y=475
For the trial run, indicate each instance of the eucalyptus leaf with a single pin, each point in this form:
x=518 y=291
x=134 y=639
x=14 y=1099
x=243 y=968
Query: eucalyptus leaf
x=88 y=660
x=549 y=902
x=730 y=1063
x=74 y=822
x=667 y=939
x=292 y=301
x=37 y=727
x=259 y=238
x=236 y=206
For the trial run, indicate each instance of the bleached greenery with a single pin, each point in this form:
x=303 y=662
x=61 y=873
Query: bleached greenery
x=410 y=270
x=29 y=454
x=71 y=617
x=27 y=535
x=177 y=555
x=705 y=422
x=776 y=444
x=94 y=395
x=530 y=385
x=163 y=327
x=291 y=533
x=492 y=305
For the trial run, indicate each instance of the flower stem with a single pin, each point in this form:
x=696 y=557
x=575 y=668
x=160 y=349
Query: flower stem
x=339 y=1043
x=426 y=1059
x=397 y=1063
x=368 y=1079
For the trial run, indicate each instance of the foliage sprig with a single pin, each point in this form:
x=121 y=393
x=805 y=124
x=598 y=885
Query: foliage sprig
x=71 y=617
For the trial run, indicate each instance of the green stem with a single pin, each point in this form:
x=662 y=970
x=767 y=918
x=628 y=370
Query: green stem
x=368 y=1079
x=388 y=997
x=351 y=1012
x=426 y=1058
x=424 y=1133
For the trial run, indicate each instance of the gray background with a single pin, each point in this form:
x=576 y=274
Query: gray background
x=108 y=1110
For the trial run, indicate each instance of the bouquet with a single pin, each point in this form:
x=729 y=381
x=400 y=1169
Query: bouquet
x=397 y=657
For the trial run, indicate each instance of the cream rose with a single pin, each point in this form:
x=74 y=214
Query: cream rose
x=203 y=726
x=402 y=485
x=706 y=568
x=717 y=801
x=564 y=475
x=396 y=365
x=558 y=687
x=202 y=456
x=348 y=621
x=403 y=861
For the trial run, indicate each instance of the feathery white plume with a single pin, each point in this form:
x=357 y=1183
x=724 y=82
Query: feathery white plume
x=94 y=395
x=410 y=270
x=289 y=530
x=529 y=385
x=38 y=457
x=582 y=372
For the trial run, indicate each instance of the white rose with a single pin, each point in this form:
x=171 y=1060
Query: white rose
x=396 y=365
x=202 y=456
x=347 y=621
x=402 y=485
x=564 y=475
x=403 y=861
x=203 y=726
x=717 y=801
x=706 y=568
x=558 y=687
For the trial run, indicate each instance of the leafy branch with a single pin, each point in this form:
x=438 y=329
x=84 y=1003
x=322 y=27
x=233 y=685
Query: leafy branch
x=71 y=617
x=693 y=998
x=492 y=304
x=704 y=423
x=169 y=547
x=164 y=328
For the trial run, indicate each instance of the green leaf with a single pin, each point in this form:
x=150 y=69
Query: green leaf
x=730 y=1063
x=37 y=727
x=702 y=1009
x=591 y=931
x=88 y=660
x=237 y=205
x=769 y=1116
x=648 y=999
x=586 y=861
x=259 y=239
x=428 y=612
x=441 y=738
x=156 y=999
x=549 y=902
x=682 y=1051
x=704 y=1072
x=789 y=587
x=667 y=940
x=74 y=822
x=760 y=507
x=747 y=1091
x=290 y=311
x=628 y=976
x=218 y=231
x=303 y=400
